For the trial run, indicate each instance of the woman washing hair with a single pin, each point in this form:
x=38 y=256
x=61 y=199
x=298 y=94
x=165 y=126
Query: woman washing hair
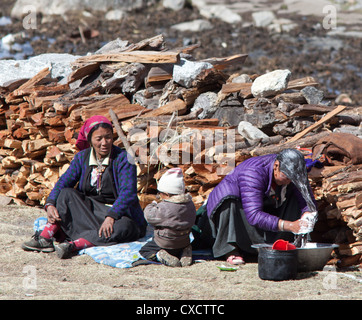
x=263 y=199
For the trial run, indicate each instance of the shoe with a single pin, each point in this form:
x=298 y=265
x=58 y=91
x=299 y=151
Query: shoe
x=38 y=243
x=65 y=250
x=235 y=260
x=167 y=259
x=186 y=256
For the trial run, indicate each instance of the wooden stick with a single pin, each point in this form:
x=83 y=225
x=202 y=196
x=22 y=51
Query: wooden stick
x=120 y=133
x=133 y=56
x=327 y=117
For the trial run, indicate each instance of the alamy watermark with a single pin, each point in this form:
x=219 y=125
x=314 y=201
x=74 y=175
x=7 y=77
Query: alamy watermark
x=176 y=146
x=330 y=280
x=29 y=20
x=29 y=280
x=330 y=19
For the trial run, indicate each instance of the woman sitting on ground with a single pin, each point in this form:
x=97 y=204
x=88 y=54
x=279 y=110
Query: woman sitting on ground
x=94 y=203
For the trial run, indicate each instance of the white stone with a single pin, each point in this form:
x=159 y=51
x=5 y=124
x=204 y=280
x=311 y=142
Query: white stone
x=243 y=78
x=220 y=12
x=187 y=71
x=263 y=18
x=60 y=7
x=250 y=132
x=207 y=102
x=7 y=41
x=271 y=83
x=4 y=21
x=115 y=15
x=59 y=64
x=194 y=26
x=175 y=5
x=282 y=25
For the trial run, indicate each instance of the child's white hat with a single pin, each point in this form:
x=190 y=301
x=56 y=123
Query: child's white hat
x=172 y=182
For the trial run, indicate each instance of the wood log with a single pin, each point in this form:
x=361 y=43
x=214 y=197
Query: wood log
x=120 y=133
x=37 y=119
x=345 y=204
x=30 y=146
x=83 y=91
x=38 y=78
x=303 y=143
x=83 y=71
x=146 y=199
x=67 y=105
x=307 y=110
x=330 y=115
x=119 y=103
x=243 y=88
x=350 y=249
x=359 y=201
x=34 y=196
x=133 y=56
x=10 y=162
x=56 y=121
x=206 y=174
x=301 y=83
x=20 y=133
x=222 y=63
x=10 y=143
x=350 y=187
x=290 y=97
x=178 y=106
x=56 y=135
x=128 y=78
x=198 y=123
x=153 y=43
x=159 y=73
x=347 y=261
x=41 y=91
x=340 y=179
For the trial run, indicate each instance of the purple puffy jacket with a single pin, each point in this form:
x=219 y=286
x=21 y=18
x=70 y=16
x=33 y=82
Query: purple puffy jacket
x=251 y=181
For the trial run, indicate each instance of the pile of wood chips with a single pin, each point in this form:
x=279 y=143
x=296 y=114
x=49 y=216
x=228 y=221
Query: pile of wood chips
x=40 y=118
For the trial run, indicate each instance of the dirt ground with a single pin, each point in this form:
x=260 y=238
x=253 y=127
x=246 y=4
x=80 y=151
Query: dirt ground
x=40 y=276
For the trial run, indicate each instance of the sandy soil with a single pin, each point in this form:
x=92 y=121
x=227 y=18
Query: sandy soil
x=37 y=276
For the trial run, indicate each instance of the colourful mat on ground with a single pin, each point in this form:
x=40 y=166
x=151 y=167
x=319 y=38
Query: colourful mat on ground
x=121 y=255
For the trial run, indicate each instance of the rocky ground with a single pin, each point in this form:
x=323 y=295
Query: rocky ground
x=307 y=50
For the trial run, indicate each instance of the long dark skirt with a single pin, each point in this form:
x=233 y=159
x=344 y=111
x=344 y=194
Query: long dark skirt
x=231 y=229
x=83 y=216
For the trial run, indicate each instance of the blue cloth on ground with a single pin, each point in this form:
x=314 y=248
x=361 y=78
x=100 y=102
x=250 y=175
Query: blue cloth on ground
x=40 y=223
x=120 y=255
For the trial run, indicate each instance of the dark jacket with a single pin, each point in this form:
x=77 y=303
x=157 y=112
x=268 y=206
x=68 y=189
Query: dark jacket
x=172 y=220
x=124 y=180
x=251 y=182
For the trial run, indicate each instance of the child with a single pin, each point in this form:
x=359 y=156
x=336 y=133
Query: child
x=172 y=220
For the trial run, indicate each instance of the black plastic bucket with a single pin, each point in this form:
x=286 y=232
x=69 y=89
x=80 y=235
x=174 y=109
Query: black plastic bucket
x=277 y=265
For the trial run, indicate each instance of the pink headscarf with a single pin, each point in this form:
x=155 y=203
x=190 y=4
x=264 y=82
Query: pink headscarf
x=82 y=142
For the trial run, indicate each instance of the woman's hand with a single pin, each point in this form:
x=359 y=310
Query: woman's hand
x=106 y=228
x=293 y=226
x=52 y=214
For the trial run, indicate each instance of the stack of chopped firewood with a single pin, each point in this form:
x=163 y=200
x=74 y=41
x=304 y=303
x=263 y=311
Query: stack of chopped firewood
x=338 y=190
x=155 y=120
